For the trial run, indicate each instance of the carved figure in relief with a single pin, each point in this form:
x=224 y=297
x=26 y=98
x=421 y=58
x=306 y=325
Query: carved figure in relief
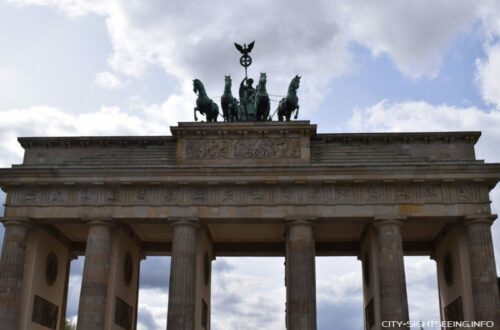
x=141 y=194
x=290 y=103
x=56 y=196
x=228 y=102
x=374 y=194
x=431 y=193
x=84 y=196
x=227 y=195
x=315 y=194
x=256 y=194
x=169 y=195
x=204 y=104
x=343 y=193
x=287 y=194
x=463 y=193
x=403 y=193
x=30 y=196
x=199 y=195
x=113 y=196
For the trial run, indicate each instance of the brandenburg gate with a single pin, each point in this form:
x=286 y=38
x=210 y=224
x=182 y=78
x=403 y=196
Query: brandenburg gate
x=244 y=189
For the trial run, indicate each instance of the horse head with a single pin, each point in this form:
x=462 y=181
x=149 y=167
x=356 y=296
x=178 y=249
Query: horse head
x=197 y=85
x=263 y=77
x=295 y=83
x=227 y=81
x=262 y=80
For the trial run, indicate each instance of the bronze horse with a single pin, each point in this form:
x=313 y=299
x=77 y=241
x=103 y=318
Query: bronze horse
x=228 y=102
x=262 y=103
x=204 y=104
x=290 y=103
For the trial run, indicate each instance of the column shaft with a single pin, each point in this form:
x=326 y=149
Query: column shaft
x=93 y=296
x=182 y=287
x=11 y=273
x=483 y=271
x=393 y=297
x=300 y=276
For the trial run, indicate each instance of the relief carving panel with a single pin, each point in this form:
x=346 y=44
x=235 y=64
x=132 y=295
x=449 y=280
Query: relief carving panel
x=243 y=149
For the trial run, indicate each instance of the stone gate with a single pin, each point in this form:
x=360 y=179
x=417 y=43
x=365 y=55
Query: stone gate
x=244 y=189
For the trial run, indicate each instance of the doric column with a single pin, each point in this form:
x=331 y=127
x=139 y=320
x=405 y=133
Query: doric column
x=393 y=297
x=182 y=287
x=300 y=276
x=11 y=272
x=482 y=269
x=93 y=296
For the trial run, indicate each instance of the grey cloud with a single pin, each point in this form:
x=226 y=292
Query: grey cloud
x=221 y=266
x=155 y=273
x=240 y=313
x=146 y=319
x=342 y=315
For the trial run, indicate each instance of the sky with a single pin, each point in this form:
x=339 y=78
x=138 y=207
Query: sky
x=125 y=67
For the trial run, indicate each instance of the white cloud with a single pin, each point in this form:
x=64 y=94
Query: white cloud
x=413 y=32
x=249 y=296
x=191 y=40
x=108 y=80
x=153 y=309
x=488 y=75
x=183 y=37
x=73 y=8
x=49 y=121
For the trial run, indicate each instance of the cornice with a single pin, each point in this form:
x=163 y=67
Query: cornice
x=405 y=138
x=93 y=141
x=448 y=172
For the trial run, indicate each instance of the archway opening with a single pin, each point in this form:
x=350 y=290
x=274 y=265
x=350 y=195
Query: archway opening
x=422 y=289
x=153 y=293
x=339 y=293
x=74 y=288
x=248 y=293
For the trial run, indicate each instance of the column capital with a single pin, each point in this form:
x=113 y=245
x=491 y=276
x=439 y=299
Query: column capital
x=187 y=221
x=476 y=219
x=388 y=220
x=25 y=222
x=299 y=221
x=107 y=222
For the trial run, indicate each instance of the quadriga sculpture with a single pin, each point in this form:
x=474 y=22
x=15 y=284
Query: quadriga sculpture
x=290 y=103
x=229 y=103
x=204 y=104
x=262 y=103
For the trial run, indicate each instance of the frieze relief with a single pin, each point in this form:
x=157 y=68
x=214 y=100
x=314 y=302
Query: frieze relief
x=243 y=149
x=249 y=194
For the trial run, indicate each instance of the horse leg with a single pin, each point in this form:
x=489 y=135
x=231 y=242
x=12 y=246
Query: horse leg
x=297 y=112
x=195 y=118
x=215 y=111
